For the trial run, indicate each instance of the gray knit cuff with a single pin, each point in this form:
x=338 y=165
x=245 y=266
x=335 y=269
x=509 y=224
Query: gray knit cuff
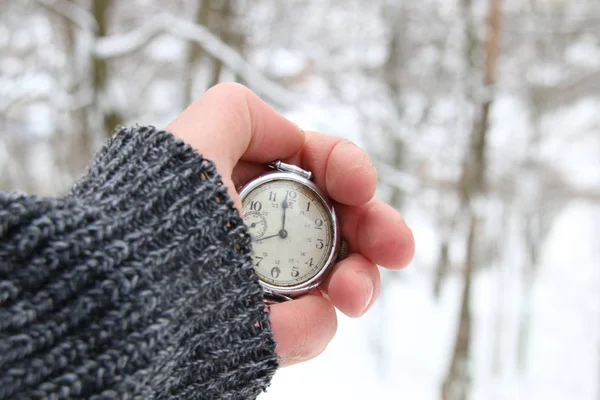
x=139 y=284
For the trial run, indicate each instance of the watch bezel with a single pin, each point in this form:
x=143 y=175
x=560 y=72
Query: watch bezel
x=317 y=279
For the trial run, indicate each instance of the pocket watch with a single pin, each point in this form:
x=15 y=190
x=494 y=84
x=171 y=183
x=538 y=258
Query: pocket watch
x=294 y=231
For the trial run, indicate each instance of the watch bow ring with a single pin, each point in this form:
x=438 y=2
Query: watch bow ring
x=294 y=230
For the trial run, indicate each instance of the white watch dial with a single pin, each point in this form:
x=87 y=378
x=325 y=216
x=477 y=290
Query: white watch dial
x=291 y=230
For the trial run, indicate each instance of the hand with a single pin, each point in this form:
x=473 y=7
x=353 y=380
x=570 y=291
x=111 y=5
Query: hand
x=240 y=133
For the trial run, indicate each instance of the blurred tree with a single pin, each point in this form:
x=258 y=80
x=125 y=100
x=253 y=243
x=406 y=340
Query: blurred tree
x=194 y=53
x=472 y=187
x=227 y=28
x=393 y=72
x=111 y=117
x=223 y=20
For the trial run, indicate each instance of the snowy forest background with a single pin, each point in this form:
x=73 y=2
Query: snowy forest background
x=483 y=118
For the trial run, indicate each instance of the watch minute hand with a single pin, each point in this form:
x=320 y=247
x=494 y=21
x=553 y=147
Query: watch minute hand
x=284 y=205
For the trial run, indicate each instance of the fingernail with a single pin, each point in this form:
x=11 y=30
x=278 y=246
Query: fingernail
x=368 y=284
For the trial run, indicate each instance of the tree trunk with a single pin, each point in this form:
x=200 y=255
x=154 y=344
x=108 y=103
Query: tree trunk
x=456 y=385
x=442 y=267
x=110 y=117
x=443 y=264
x=194 y=53
x=226 y=29
x=392 y=71
x=529 y=271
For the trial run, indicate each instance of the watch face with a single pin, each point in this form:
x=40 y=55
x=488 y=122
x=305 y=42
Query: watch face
x=291 y=230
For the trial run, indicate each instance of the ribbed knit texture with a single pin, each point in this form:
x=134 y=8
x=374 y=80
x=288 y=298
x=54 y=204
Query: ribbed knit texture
x=137 y=285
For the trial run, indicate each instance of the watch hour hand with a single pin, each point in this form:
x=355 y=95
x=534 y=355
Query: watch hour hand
x=268 y=237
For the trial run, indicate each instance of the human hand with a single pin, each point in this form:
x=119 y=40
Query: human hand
x=240 y=133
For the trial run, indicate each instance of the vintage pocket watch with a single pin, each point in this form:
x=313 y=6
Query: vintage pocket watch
x=294 y=231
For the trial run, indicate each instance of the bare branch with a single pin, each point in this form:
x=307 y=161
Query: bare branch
x=119 y=45
x=581 y=86
x=79 y=16
x=122 y=44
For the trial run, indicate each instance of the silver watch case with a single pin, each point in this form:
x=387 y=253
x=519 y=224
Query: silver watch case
x=274 y=293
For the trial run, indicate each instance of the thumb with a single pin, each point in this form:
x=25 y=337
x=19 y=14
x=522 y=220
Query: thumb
x=230 y=123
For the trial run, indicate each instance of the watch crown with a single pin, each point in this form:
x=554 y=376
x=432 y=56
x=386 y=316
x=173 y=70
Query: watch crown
x=343 y=252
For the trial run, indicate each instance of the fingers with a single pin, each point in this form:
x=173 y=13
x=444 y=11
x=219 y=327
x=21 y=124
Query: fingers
x=353 y=285
x=378 y=232
x=229 y=123
x=303 y=328
x=339 y=166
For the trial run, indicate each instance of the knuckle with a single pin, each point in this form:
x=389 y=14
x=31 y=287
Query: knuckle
x=234 y=95
x=234 y=99
x=230 y=89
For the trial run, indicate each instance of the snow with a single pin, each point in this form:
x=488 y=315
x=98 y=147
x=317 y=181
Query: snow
x=10 y=66
x=78 y=15
x=584 y=53
x=40 y=118
x=166 y=48
x=317 y=117
x=279 y=62
x=417 y=332
x=572 y=142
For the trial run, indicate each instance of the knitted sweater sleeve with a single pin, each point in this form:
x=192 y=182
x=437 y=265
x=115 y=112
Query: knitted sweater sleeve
x=136 y=285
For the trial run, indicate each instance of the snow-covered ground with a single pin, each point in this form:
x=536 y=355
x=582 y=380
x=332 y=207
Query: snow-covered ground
x=402 y=347
x=416 y=333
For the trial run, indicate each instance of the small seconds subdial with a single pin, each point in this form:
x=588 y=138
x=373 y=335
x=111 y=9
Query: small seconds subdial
x=297 y=242
x=256 y=223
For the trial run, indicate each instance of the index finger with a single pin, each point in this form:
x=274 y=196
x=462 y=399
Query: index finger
x=229 y=123
x=339 y=166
